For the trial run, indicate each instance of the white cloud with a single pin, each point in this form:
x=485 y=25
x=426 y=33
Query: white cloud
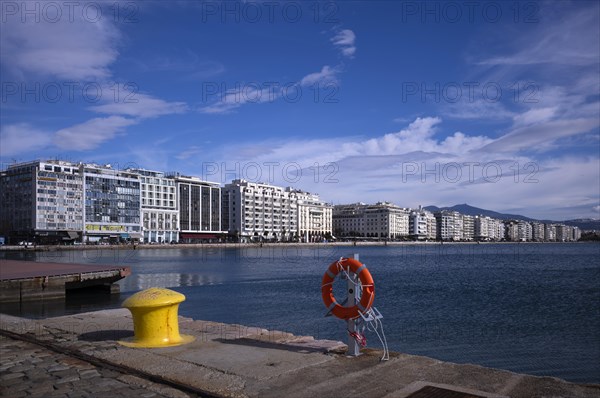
x=326 y=75
x=188 y=153
x=535 y=115
x=75 y=50
x=92 y=133
x=566 y=37
x=134 y=104
x=541 y=136
x=247 y=94
x=413 y=166
x=255 y=94
x=344 y=40
x=21 y=138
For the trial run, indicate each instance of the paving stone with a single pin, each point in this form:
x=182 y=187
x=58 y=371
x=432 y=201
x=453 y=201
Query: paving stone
x=11 y=376
x=67 y=379
x=88 y=373
x=58 y=367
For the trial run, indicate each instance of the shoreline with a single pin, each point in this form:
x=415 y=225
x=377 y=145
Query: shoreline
x=44 y=248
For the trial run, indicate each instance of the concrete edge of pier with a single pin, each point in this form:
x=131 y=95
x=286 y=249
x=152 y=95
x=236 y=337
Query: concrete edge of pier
x=228 y=360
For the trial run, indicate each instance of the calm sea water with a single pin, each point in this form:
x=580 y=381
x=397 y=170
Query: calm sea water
x=530 y=308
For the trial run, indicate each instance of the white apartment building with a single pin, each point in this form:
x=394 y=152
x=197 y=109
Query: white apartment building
x=314 y=217
x=537 y=231
x=576 y=233
x=160 y=217
x=468 y=227
x=550 y=232
x=42 y=201
x=422 y=224
x=488 y=228
x=112 y=204
x=525 y=231
x=449 y=225
x=381 y=220
x=199 y=205
x=257 y=212
x=564 y=233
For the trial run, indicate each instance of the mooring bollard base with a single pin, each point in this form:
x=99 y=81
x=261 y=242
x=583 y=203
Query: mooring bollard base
x=133 y=343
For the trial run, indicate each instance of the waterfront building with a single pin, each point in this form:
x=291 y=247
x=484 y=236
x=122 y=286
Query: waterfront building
x=349 y=220
x=257 y=212
x=112 y=204
x=549 y=232
x=314 y=217
x=524 y=231
x=576 y=233
x=537 y=231
x=42 y=202
x=422 y=224
x=449 y=225
x=482 y=230
x=381 y=220
x=468 y=228
x=499 y=229
x=564 y=233
x=160 y=216
x=512 y=230
x=199 y=206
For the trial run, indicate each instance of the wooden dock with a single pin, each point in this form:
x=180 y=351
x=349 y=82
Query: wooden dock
x=28 y=280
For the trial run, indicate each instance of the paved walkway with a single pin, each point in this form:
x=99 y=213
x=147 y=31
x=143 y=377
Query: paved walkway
x=233 y=361
x=29 y=370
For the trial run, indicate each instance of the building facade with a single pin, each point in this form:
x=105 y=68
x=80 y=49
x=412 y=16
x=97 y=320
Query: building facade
x=42 y=202
x=256 y=212
x=112 y=204
x=314 y=217
x=199 y=206
x=422 y=225
x=381 y=220
x=537 y=232
x=449 y=225
x=160 y=217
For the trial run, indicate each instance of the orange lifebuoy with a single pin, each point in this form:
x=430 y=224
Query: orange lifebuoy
x=366 y=280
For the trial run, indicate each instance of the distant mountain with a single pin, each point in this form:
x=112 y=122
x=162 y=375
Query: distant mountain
x=475 y=211
x=584 y=224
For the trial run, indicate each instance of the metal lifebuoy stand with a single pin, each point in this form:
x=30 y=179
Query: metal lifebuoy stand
x=357 y=309
x=353 y=347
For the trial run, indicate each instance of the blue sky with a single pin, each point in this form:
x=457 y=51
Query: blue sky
x=495 y=104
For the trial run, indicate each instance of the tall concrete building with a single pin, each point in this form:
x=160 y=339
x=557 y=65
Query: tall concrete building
x=260 y=212
x=160 y=217
x=422 y=224
x=488 y=228
x=564 y=233
x=449 y=225
x=525 y=231
x=199 y=205
x=42 y=202
x=468 y=228
x=112 y=204
x=537 y=231
x=550 y=232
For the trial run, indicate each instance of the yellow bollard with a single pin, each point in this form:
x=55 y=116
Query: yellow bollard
x=155 y=323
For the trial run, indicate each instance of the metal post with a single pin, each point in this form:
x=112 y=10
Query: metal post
x=353 y=347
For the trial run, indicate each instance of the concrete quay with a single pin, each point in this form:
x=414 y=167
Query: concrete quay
x=233 y=361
